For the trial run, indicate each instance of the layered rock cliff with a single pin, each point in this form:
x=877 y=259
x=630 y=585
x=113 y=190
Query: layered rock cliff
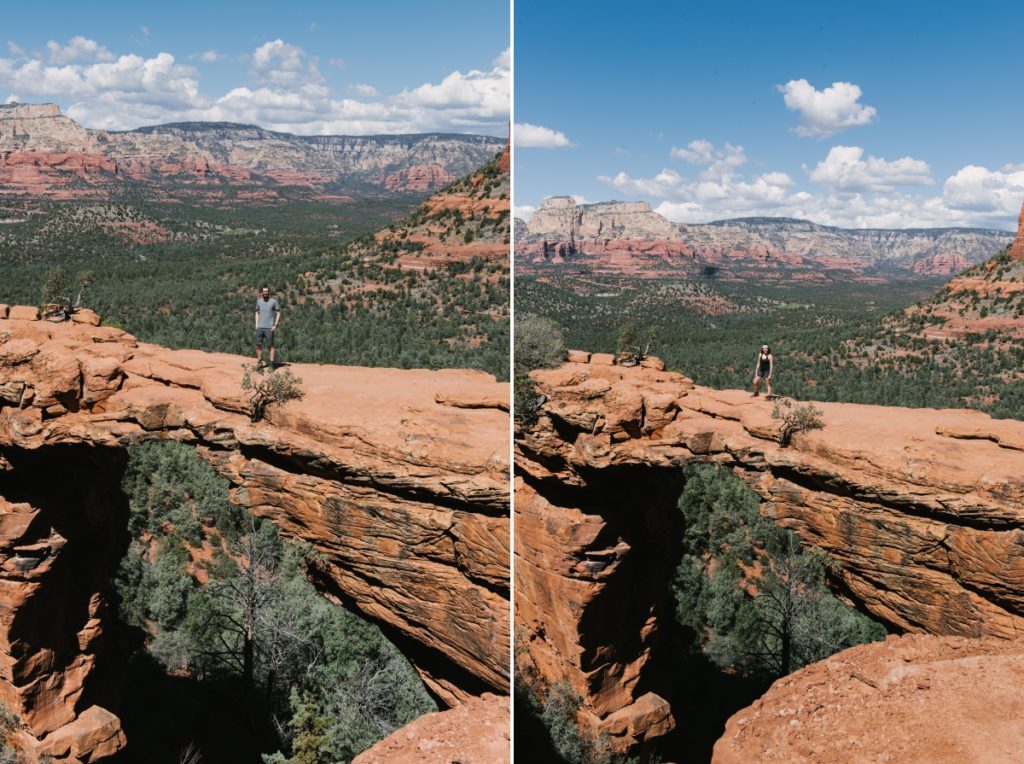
x=45 y=153
x=398 y=478
x=920 y=509
x=630 y=238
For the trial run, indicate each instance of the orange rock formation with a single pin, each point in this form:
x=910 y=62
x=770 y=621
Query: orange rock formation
x=1017 y=248
x=914 y=699
x=398 y=478
x=476 y=732
x=921 y=509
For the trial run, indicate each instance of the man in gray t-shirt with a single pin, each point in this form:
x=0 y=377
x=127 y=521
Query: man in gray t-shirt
x=268 y=316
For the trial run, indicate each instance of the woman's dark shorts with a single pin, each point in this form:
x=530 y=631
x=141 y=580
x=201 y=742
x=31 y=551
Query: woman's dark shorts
x=265 y=335
x=762 y=374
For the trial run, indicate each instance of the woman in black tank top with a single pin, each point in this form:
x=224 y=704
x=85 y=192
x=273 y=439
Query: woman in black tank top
x=763 y=369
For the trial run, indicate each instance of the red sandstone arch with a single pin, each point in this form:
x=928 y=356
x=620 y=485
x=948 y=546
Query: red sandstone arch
x=398 y=478
x=923 y=510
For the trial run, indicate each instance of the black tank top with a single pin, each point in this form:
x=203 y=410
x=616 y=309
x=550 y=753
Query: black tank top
x=764 y=363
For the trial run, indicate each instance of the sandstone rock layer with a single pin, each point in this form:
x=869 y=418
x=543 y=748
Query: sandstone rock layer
x=403 y=492
x=914 y=699
x=921 y=509
x=476 y=732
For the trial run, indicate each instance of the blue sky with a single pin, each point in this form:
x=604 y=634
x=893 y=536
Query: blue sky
x=308 y=67
x=868 y=115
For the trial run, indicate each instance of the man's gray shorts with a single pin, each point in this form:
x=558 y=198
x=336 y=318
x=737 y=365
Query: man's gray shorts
x=265 y=335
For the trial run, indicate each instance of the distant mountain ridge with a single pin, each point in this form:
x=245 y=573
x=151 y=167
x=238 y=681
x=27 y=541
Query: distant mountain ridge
x=630 y=238
x=45 y=153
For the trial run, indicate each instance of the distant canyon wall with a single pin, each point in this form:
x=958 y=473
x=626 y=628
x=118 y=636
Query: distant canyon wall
x=630 y=238
x=44 y=153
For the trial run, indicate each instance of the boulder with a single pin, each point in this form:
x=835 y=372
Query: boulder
x=914 y=699
x=86 y=316
x=23 y=313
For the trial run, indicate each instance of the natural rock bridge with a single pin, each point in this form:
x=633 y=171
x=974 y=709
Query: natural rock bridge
x=398 y=478
x=922 y=509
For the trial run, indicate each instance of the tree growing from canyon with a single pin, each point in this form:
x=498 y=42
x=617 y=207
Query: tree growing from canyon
x=753 y=598
x=539 y=344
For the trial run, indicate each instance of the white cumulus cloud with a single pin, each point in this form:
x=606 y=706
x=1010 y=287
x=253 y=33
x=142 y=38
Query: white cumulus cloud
x=846 y=169
x=367 y=91
x=698 y=152
x=78 y=48
x=281 y=64
x=855 y=192
x=287 y=92
x=523 y=212
x=988 y=194
x=536 y=137
x=826 y=112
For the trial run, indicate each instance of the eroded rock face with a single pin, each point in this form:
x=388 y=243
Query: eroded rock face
x=915 y=699
x=921 y=509
x=389 y=474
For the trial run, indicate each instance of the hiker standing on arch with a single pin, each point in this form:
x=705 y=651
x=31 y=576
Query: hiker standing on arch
x=268 y=316
x=763 y=369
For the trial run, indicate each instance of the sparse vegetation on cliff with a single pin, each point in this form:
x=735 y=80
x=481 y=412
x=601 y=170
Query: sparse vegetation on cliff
x=60 y=298
x=635 y=343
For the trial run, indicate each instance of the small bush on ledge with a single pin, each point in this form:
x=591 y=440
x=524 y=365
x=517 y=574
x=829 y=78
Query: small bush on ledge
x=59 y=299
x=796 y=419
x=265 y=388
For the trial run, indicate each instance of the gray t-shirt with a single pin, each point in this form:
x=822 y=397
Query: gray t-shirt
x=267 y=309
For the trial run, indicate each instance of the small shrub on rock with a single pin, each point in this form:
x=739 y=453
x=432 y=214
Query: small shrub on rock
x=635 y=343
x=265 y=388
x=59 y=299
x=539 y=343
x=796 y=419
